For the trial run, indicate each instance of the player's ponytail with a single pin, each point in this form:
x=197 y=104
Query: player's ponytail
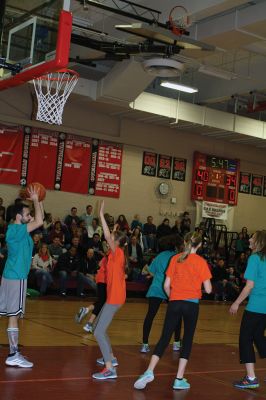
x=192 y=240
x=122 y=239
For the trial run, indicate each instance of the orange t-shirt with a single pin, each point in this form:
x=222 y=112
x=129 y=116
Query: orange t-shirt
x=116 y=283
x=101 y=273
x=186 y=277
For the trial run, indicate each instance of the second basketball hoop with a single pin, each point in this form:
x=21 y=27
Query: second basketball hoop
x=52 y=91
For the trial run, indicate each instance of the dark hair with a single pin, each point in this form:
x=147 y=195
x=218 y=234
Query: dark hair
x=18 y=208
x=192 y=239
x=96 y=234
x=89 y=205
x=165 y=219
x=96 y=220
x=73 y=208
x=171 y=242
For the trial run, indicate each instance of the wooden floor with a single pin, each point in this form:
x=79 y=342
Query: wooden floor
x=64 y=356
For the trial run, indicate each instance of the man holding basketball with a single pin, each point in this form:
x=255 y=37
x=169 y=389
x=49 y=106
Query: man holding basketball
x=14 y=280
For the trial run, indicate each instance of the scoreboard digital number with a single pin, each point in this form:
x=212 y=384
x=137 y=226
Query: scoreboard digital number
x=215 y=179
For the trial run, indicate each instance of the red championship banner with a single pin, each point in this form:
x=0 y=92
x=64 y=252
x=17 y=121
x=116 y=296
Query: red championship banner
x=164 y=167
x=108 y=170
x=11 y=144
x=42 y=157
x=256 y=185
x=76 y=164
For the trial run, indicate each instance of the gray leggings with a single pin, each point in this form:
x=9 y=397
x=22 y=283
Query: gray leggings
x=103 y=321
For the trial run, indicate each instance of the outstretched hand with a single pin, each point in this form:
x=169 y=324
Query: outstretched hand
x=33 y=193
x=234 y=308
x=102 y=207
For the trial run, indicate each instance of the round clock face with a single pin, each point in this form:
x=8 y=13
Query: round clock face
x=164 y=188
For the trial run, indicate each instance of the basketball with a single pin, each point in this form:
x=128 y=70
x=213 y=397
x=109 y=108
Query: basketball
x=39 y=188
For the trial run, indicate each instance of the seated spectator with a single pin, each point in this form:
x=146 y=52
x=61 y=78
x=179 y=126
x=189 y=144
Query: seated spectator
x=233 y=285
x=75 y=242
x=72 y=218
x=55 y=249
x=3 y=228
x=185 y=224
x=58 y=232
x=3 y=257
x=67 y=267
x=122 y=224
x=163 y=229
x=96 y=244
x=219 y=279
x=42 y=265
x=149 y=235
x=175 y=228
x=135 y=259
x=246 y=237
x=136 y=223
x=138 y=234
x=87 y=217
x=83 y=227
x=2 y=209
x=241 y=264
x=47 y=226
x=36 y=243
x=110 y=221
x=87 y=272
x=240 y=245
x=94 y=228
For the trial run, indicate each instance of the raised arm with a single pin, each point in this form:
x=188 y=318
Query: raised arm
x=106 y=231
x=38 y=219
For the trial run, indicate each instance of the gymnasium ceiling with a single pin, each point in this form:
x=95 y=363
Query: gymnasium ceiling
x=235 y=28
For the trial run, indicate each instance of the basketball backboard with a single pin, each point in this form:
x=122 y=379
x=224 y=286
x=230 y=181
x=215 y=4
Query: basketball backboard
x=35 y=39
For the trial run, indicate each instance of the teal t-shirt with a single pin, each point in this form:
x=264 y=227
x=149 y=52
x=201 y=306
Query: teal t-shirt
x=19 y=252
x=256 y=272
x=158 y=268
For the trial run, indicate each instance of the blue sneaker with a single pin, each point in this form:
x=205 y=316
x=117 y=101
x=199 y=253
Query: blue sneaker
x=100 y=361
x=247 y=383
x=142 y=381
x=105 y=374
x=145 y=348
x=177 y=346
x=181 y=384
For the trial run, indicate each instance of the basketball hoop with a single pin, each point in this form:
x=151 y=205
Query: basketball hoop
x=179 y=20
x=52 y=91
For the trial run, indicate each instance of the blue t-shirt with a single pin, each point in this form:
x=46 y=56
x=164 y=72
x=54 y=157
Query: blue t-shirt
x=19 y=248
x=158 y=268
x=256 y=272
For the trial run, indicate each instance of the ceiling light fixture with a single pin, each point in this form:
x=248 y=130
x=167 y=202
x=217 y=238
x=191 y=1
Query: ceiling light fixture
x=217 y=72
x=179 y=86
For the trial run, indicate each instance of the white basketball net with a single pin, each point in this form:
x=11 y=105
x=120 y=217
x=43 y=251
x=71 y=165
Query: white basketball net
x=52 y=92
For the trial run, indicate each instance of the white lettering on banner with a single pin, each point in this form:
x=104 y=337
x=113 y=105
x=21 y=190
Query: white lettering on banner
x=214 y=210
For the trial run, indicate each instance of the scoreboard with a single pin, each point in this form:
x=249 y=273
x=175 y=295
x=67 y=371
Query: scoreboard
x=215 y=179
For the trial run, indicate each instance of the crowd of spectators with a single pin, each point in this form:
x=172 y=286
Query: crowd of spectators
x=70 y=249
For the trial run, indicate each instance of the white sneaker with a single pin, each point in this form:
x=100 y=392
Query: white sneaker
x=100 y=361
x=83 y=311
x=88 y=327
x=17 y=360
x=145 y=348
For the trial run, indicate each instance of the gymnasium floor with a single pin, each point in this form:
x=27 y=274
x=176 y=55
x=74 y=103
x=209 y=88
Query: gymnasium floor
x=64 y=357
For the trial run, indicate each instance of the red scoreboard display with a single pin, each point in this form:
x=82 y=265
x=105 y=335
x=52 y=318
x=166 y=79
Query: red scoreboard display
x=215 y=179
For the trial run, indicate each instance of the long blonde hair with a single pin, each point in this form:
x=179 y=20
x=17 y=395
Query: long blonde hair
x=192 y=240
x=260 y=243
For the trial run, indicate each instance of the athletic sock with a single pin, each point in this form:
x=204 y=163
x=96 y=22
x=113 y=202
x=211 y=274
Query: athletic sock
x=13 y=334
x=251 y=379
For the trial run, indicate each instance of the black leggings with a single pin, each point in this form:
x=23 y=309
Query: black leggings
x=176 y=311
x=154 y=305
x=101 y=293
x=252 y=330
